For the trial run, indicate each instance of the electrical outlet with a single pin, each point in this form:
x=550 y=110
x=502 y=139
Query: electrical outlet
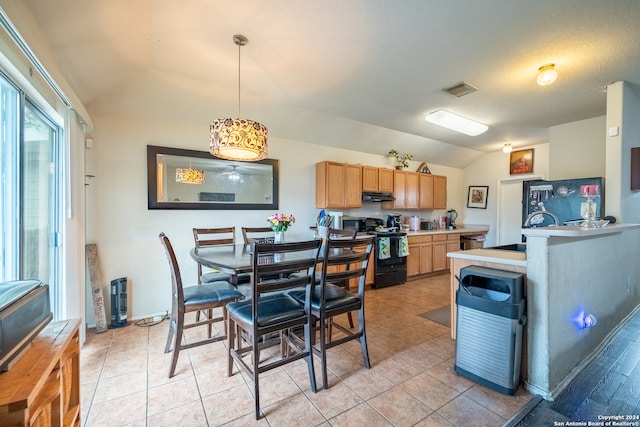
x=628 y=284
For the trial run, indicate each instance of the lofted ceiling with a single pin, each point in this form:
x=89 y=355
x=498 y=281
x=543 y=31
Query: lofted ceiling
x=315 y=71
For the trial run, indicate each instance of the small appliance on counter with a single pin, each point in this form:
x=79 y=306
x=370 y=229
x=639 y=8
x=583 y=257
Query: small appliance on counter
x=394 y=221
x=451 y=218
x=414 y=223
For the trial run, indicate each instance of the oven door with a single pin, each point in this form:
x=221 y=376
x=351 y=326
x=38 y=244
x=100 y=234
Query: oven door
x=392 y=270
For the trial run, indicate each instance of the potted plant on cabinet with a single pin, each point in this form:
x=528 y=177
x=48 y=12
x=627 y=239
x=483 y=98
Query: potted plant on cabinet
x=401 y=160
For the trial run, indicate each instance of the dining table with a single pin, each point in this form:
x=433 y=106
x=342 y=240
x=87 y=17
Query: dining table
x=237 y=259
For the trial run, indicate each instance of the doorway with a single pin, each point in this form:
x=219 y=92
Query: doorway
x=510 y=210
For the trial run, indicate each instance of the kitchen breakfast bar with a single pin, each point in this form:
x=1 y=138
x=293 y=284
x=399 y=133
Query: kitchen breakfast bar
x=572 y=274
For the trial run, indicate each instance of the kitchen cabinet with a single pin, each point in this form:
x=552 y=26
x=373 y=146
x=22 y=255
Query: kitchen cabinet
x=338 y=185
x=370 y=277
x=443 y=243
x=432 y=191
x=377 y=179
x=439 y=252
x=42 y=388
x=425 y=188
x=439 y=192
x=428 y=253
x=420 y=259
x=405 y=191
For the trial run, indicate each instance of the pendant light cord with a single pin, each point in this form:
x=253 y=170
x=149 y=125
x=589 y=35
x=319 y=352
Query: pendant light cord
x=239 y=47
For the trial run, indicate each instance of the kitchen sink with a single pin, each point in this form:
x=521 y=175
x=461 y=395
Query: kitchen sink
x=518 y=247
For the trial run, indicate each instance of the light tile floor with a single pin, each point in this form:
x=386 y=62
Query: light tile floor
x=411 y=382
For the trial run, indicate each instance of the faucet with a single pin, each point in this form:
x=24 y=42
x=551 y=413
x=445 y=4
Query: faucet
x=542 y=211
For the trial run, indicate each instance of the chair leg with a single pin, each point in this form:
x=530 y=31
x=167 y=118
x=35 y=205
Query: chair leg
x=177 y=345
x=309 y=349
x=210 y=324
x=323 y=351
x=172 y=332
x=231 y=338
x=256 y=386
x=363 y=338
x=350 y=320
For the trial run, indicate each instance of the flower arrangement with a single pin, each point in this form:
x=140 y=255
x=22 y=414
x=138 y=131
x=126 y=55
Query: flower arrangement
x=403 y=160
x=280 y=222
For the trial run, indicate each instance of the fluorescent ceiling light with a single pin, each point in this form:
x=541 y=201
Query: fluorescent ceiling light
x=455 y=122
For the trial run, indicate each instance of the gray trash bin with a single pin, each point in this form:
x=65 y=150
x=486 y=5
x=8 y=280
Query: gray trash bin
x=490 y=318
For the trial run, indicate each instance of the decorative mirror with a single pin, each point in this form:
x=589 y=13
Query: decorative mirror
x=190 y=179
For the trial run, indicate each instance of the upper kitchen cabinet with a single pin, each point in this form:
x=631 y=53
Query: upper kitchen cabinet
x=338 y=185
x=433 y=191
x=377 y=179
x=405 y=191
x=439 y=192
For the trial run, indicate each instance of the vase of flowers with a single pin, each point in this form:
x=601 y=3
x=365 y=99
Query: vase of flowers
x=279 y=223
x=401 y=160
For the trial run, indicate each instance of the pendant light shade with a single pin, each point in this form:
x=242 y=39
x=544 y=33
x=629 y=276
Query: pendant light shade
x=237 y=138
x=189 y=176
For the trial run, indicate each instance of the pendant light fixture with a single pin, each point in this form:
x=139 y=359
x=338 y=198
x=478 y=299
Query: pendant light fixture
x=237 y=138
x=189 y=176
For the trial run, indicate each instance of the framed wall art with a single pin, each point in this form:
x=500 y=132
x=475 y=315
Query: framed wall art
x=477 y=197
x=521 y=162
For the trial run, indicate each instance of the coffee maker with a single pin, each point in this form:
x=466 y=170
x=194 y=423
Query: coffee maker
x=393 y=221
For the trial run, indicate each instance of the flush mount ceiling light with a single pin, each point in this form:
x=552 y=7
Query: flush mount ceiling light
x=547 y=74
x=189 y=176
x=237 y=138
x=507 y=148
x=455 y=122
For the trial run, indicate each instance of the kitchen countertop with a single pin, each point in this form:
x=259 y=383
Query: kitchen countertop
x=497 y=256
x=460 y=230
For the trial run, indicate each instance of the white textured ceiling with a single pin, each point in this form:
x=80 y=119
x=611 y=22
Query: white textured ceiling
x=311 y=68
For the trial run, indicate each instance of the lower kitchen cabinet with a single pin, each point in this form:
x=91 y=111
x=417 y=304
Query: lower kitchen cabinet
x=428 y=253
x=420 y=259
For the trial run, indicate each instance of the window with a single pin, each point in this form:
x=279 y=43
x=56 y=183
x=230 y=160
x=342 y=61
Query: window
x=29 y=160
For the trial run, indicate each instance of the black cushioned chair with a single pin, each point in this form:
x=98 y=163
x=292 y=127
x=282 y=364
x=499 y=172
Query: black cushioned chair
x=343 y=260
x=193 y=298
x=266 y=317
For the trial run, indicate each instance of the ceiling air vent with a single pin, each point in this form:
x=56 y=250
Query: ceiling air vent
x=461 y=89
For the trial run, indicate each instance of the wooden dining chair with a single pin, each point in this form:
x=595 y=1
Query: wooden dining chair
x=207 y=237
x=249 y=233
x=330 y=299
x=270 y=312
x=189 y=299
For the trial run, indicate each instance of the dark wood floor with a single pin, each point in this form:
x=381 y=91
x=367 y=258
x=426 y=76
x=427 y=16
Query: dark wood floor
x=608 y=386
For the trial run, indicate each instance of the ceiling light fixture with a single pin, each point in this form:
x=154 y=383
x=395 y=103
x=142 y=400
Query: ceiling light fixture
x=237 y=138
x=507 y=148
x=547 y=74
x=455 y=122
x=189 y=176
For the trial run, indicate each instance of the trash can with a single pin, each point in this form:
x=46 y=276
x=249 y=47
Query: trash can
x=490 y=319
x=119 y=302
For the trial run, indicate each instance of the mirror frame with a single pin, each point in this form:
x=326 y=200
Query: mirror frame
x=152 y=180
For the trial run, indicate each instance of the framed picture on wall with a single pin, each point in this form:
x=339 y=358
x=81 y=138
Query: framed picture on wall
x=521 y=162
x=477 y=197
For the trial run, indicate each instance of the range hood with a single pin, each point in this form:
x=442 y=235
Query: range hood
x=374 y=196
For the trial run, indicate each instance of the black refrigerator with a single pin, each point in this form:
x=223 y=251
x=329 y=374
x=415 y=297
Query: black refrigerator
x=564 y=198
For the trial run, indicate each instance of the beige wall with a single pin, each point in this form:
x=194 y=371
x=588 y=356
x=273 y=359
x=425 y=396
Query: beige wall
x=577 y=149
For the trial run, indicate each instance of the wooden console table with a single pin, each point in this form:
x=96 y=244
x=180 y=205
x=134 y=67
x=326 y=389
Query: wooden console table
x=43 y=387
